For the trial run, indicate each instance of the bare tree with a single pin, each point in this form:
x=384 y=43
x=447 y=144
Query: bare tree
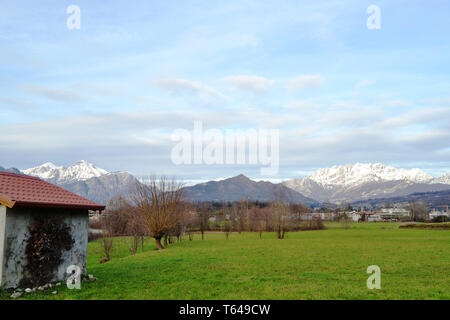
x=345 y=220
x=297 y=212
x=160 y=204
x=203 y=218
x=107 y=239
x=257 y=220
x=242 y=216
x=419 y=211
x=190 y=220
x=261 y=226
x=227 y=228
x=280 y=213
x=135 y=229
x=116 y=216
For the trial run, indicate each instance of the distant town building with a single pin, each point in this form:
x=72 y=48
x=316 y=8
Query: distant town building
x=438 y=213
x=394 y=213
x=374 y=218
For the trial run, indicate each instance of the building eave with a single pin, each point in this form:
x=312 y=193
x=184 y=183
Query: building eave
x=6 y=201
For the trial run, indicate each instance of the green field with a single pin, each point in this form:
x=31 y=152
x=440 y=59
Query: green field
x=325 y=264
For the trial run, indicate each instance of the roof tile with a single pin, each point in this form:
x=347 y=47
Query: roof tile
x=28 y=191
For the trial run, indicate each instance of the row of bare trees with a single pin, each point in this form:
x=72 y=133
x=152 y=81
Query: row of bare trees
x=157 y=209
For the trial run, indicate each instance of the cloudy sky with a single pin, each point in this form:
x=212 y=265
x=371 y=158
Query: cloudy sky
x=114 y=91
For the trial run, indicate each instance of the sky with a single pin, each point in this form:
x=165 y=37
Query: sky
x=113 y=91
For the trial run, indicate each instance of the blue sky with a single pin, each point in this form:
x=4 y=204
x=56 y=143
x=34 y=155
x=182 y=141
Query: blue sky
x=113 y=92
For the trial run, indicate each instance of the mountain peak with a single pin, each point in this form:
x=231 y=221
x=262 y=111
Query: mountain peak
x=365 y=180
x=241 y=178
x=79 y=171
x=49 y=165
x=366 y=172
x=240 y=188
x=445 y=179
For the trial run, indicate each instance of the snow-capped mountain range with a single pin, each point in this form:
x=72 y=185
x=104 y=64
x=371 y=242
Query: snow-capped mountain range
x=443 y=179
x=86 y=180
x=360 y=173
x=366 y=180
x=79 y=171
x=349 y=183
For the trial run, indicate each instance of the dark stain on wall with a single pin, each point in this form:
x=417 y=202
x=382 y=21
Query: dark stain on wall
x=49 y=238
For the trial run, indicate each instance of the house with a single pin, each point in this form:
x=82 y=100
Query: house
x=326 y=216
x=360 y=216
x=394 y=213
x=374 y=218
x=354 y=216
x=438 y=213
x=43 y=231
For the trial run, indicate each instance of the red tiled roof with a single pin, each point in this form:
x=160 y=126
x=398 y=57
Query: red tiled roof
x=26 y=191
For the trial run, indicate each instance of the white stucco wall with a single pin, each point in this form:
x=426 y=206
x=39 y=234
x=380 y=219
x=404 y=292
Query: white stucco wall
x=17 y=234
x=2 y=239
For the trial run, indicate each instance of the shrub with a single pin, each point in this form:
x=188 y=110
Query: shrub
x=92 y=236
x=436 y=226
x=441 y=219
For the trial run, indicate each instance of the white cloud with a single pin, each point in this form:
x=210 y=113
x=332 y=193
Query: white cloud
x=364 y=83
x=418 y=117
x=177 y=85
x=135 y=140
x=254 y=84
x=20 y=104
x=397 y=103
x=53 y=94
x=305 y=81
x=302 y=105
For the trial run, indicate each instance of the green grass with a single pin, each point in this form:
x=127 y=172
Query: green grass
x=326 y=264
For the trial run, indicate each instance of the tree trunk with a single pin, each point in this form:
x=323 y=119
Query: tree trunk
x=158 y=244
x=203 y=235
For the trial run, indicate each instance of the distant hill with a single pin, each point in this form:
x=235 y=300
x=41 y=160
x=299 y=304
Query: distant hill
x=437 y=198
x=12 y=170
x=104 y=188
x=242 y=188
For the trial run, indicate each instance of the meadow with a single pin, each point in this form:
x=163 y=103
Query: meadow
x=324 y=264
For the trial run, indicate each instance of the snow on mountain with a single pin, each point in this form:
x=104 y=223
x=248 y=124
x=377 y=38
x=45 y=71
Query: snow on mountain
x=46 y=171
x=365 y=181
x=80 y=171
x=359 y=173
x=336 y=184
x=445 y=179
